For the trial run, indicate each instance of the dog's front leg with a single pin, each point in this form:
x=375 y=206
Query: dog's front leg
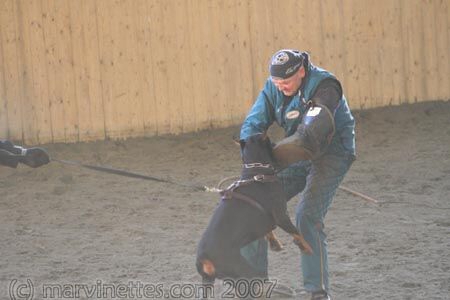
x=282 y=219
x=274 y=242
x=302 y=243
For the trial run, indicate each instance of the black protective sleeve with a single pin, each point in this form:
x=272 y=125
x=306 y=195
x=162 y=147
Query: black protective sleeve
x=328 y=93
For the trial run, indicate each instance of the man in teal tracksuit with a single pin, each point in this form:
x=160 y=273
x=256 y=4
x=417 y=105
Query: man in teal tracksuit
x=318 y=150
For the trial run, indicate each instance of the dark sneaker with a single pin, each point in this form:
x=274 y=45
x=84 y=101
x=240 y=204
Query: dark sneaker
x=320 y=295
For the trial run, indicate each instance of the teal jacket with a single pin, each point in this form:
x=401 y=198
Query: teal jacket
x=273 y=106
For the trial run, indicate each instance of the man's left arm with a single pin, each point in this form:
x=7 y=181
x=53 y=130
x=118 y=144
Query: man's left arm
x=316 y=129
x=318 y=126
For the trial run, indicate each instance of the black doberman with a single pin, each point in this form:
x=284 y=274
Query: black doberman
x=250 y=208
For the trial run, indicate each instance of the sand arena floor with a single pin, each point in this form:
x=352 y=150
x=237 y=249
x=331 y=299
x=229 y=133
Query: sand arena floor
x=63 y=224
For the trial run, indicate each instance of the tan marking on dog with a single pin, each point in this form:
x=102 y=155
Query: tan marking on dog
x=208 y=267
x=274 y=242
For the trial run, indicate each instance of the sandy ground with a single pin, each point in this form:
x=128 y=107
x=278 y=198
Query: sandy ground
x=62 y=224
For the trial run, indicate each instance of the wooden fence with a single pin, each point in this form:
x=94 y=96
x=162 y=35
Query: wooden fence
x=79 y=70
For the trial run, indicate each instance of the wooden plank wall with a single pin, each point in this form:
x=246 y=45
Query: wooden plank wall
x=96 y=69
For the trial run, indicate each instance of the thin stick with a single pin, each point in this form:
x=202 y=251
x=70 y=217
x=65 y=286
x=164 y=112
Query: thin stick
x=355 y=193
x=348 y=190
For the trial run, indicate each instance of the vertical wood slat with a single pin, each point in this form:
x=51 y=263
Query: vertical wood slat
x=12 y=62
x=3 y=103
x=159 y=67
x=215 y=60
x=93 y=69
x=353 y=54
x=53 y=61
x=430 y=55
x=168 y=56
x=126 y=100
x=228 y=41
x=66 y=64
x=6 y=40
x=144 y=27
x=199 y=45
x=184 y=94
x=287 y=36
x=37 y=125
x=162 y=57
x=106 y=42
x=262 y=39
x=121 y=89
x=312 y=28
x=221 y=55
x=112 y=87
x=87 y=81
x=448 y=41
x=373 y=65
x=394 y=92
x=375 y=25
x=413 y=29
x=244 y=88
x=332 y=41
x=60 y=81
x=211 y=65
x=442 y=19
x=406 y=57
x=136 y=124
x=24 y=67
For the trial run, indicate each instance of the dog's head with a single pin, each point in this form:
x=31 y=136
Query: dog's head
x=257 y=149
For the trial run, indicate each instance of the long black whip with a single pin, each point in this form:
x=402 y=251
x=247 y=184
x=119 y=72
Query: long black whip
x=130 y=174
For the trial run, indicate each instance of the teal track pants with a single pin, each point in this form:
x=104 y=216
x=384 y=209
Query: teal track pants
x=317 y=182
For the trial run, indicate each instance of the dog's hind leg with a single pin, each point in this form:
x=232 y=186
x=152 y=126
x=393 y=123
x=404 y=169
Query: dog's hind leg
x=206 y=269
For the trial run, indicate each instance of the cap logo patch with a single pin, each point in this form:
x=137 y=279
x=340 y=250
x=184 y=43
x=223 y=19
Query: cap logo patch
x=280 y=59
x=292 y=114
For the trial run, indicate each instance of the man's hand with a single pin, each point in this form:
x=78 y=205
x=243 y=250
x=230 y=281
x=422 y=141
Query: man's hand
x=35 y=157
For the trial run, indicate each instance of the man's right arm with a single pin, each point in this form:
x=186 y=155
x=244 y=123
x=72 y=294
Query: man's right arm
x=261 y=115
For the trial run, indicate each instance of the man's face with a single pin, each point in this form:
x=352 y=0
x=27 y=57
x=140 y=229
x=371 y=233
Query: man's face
x=289 y=86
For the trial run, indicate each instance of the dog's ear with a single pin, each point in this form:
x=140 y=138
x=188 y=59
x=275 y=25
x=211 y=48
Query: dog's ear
x=242 y=144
